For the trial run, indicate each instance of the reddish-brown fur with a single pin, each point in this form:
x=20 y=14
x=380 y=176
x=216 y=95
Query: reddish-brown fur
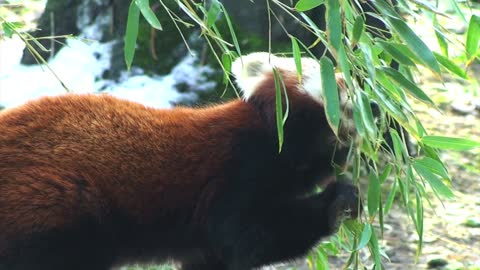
x=118 y=148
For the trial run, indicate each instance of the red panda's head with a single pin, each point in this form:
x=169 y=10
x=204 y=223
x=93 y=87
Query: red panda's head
x=310 y=145
x=255 y=76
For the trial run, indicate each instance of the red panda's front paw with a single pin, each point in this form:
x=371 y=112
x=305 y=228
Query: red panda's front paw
x=344 y=203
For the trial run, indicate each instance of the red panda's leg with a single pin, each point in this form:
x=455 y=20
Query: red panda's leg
x=46 y=222
x=275 y=231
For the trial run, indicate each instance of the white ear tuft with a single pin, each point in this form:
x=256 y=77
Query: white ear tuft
x=250 y=70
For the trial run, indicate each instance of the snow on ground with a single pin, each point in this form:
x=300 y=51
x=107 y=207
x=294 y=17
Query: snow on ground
x=80 y=66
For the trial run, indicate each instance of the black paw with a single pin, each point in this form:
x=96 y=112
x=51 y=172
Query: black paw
x=343 y=203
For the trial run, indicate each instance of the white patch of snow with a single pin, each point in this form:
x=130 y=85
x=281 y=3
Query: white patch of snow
x=93 y=29
x=80 y=66
x=186 y=72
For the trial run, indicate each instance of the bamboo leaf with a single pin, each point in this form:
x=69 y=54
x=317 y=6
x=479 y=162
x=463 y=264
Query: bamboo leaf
x=458 y=11
x=357 y=118
x=373 y=195
x=415 y=44
x=131 y=33
x=450 y=143
x=365 y=237
x=322 y=260
x=385 y=173
x=434 y=166
x=148 y=14
x=230 y=28
x=345 y=66
x=369 y=59
x=442 y=43
x=390 y=198
x=419 y=224
x=398 y=146
x=227 y=65
x=473 y=36
x=451 y=66
x=409 y=86
x=358 y=29
x=279 y=88
x=334 y=23
x=213 y=13
x=10 y=28
x=396 y=54
x=297 y=57
x=375 y=250
x=367 y=115
x=304 y=5
x=330 y=93
x=433 y=180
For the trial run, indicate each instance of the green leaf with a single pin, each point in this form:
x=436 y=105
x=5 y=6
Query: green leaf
x=398 y=146
x=131 y=33
x=459 y=12
x=388 y=103
x=304 y=5
x=367 y=115
x=280 y=117
x=442 y=43
x=334 y=23
x=390 y=198
x=396 y=54
x=375 y=250
x=322 y=260
x=385 y=173
x=434 y=180
x=419 y=224
x=450 y=143
x=297 y=57
x=369 y=59
x=357 y=118
x=373 y=195
x=230 y=28
x=7 y=30
x=345 y=66
x=148 y=14
x=10 y=28
x=213 y=12
x=409 y=86
x=415 y=44
x=434 y=166
x=365 y=237
x=473 y=36
x=330 y=93
x=358 y=29
x=451 y=66
x=227 y=65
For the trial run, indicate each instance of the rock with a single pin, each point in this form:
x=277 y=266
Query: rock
x=436 y=263
x=462 y=108
x=472 y=223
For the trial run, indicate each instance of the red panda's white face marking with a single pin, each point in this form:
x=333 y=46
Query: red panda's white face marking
x=251 y=70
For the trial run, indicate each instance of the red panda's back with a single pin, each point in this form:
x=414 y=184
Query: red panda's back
x=66 y=156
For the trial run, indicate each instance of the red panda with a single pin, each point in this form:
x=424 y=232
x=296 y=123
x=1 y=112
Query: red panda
x=94 y=182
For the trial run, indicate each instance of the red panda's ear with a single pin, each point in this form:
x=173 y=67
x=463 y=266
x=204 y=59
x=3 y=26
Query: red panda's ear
x=250 y=71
